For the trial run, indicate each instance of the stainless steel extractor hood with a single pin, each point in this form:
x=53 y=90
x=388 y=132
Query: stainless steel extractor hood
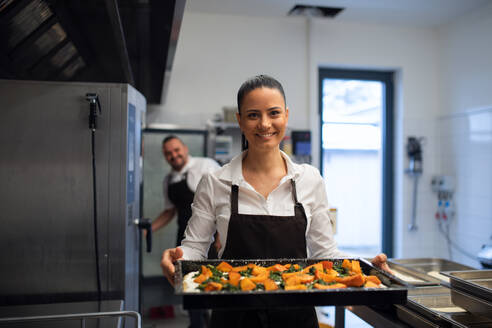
x=125 y=41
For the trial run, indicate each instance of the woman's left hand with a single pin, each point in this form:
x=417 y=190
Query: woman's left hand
x=380 y=261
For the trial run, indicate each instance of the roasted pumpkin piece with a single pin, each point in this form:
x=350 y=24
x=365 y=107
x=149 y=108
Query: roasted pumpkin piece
x=205 y=274
x=327 y=265
x=260 y=278
x=211 y=286
x=201 y=278
x=270 y=284
x=277 y=268
x=292 y=281
x=224 y=267
x=287 y=266
x=287 y=275
x=296 y=287
x=334 y=286
x=373 y=279
x=234 y=278
x=247 y=284
x=370 y=284
x=240 y=268
x=326 y=277
x=356 y=280
x=257 y=270
x=356 y=267
x=347 y=264
x=306 y=278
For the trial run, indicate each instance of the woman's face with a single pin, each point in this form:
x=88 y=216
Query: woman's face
x=263 y=118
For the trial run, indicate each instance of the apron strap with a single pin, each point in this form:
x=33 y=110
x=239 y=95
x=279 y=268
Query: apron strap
x=234 y=199
x=294 y=192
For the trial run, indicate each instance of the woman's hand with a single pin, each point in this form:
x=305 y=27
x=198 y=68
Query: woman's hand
x=169 y=257
x=380 y=261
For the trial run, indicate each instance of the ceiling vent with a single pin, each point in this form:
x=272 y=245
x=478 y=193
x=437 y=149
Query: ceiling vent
x=314 y=11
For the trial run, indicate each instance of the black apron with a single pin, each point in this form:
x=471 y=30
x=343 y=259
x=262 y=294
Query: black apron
x=265 y=237
x=182 y=197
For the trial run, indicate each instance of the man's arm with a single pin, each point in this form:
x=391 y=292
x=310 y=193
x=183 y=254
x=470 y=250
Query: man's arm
x=163 y=218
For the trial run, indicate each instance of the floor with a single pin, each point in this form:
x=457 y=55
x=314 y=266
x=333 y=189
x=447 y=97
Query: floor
x=179 y=319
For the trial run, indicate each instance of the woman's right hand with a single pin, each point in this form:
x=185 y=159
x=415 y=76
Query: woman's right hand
x=169 y=257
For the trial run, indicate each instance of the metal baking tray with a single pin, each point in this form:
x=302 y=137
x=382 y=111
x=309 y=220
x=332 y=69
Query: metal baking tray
x=413 y=319
x=475 y=282
x=410 y=276
x=436 y=304
x=394 y=293
x=427 y=269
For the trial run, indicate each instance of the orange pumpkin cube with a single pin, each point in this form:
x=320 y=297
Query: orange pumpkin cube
x=211 y=286
x=224 y=267
x=373 y=279
x=270 y=284
x=296 y=287
x=247 y=284
x=234 y=278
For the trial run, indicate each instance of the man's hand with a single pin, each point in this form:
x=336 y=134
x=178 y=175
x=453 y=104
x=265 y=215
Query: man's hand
x=169 y=257
x=380 y=261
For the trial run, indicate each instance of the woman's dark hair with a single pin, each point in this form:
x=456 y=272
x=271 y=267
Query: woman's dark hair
x=258 y=81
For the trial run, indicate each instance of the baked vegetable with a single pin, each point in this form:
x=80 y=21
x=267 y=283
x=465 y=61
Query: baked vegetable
x=251 y=277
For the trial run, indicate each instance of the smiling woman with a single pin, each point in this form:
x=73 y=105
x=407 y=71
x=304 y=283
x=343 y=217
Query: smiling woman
x=263 y=205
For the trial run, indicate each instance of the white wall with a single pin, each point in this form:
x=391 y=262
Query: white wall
x=216 y=53
x=412 y=53
x=465 y=128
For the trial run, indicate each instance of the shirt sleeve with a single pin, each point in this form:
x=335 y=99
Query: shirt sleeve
x=320 y=240
x=201 y=226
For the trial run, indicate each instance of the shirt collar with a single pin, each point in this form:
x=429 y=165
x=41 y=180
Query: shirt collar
x=233 y=171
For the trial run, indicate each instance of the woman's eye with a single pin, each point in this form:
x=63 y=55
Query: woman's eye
x=275 y=112
x=252 y=115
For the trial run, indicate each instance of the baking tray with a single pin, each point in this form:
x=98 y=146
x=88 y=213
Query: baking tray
x=434 y=303
x=413 y=318
x=428 y=269
x=394 y=293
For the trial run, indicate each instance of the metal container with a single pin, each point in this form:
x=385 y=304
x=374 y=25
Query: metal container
x=394 y=293
x=437 y=305
x=413 y=318
x=477 y=285
x=428 y=269
x=415 y=278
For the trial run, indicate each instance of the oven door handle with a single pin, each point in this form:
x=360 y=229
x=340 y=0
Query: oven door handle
x=145 y=224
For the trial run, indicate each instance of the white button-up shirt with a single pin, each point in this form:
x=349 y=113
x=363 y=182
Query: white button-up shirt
x=212 y=208
x=196 y=167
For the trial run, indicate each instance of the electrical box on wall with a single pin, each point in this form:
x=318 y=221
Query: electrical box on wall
x=442 y=183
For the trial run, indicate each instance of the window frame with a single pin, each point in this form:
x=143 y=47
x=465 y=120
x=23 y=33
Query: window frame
x=387 y=140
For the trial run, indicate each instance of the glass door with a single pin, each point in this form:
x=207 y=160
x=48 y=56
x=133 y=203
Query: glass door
x=355 y=111
x=155 y=168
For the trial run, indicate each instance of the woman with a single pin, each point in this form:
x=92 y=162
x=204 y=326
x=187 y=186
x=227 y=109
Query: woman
x=262 y=205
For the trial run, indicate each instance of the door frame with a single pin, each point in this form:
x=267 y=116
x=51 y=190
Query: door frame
x=387 y=132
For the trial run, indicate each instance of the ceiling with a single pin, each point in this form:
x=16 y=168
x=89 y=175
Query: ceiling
x=423 y=13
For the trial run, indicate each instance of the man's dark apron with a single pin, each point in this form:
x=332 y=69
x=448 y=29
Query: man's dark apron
x=181 y=196
x=265 y=237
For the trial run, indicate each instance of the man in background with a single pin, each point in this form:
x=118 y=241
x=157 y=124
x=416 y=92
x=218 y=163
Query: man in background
x=179 y=188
